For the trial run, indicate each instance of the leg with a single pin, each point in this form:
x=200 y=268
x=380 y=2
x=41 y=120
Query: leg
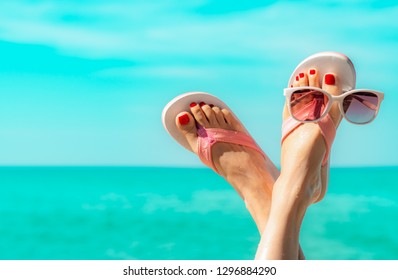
x=302 y=182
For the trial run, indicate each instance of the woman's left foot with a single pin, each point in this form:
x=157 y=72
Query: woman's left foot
x=248 y=170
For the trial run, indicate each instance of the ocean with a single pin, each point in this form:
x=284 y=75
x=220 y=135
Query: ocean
x=105 y=213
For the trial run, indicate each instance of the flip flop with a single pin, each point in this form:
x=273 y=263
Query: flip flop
x=324 y=62
x=207 y=137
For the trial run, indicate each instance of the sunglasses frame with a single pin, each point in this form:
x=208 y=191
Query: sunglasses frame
x=340 y=98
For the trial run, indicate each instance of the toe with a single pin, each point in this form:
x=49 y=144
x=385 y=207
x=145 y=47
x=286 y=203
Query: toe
x=296 y=81
x=220 y=117
x=303 y=79
x=199 y=115
x=210 y=115
x=313 y=78
x=331 y=84
x=186 y=124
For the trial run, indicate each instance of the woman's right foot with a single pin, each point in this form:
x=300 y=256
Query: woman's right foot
x=303 y=179
x=304 y=149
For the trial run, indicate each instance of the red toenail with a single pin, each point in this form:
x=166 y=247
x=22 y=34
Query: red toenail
x=297 y=78
x=301 y=75
x=211 y=105
x=183 y=119
x=329 y=79
x=312 y=72
x=193 y=104
x=201 y=104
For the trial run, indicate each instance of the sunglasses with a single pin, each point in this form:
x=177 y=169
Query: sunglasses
x=311 y=104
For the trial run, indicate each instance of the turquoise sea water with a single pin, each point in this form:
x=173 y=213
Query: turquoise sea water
x=166 y=213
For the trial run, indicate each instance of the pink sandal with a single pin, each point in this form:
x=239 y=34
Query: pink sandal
x=207 y=137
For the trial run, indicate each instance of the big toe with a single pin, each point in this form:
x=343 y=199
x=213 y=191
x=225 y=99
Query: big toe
x=187 y=126
x=332 y=85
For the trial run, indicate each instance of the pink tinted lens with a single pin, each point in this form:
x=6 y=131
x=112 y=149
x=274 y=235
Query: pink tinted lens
x=360 y=107
x=308 y=104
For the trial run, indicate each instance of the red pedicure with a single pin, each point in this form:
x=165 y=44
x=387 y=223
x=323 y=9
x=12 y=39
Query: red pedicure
x=201 y=104
x=312 y=71
x=211 y=105
x=301 y=75
x=329 y=79
x=193 y=104
x=297 y=78
x=183 y=119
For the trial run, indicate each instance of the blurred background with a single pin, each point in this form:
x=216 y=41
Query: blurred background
x=87 y=170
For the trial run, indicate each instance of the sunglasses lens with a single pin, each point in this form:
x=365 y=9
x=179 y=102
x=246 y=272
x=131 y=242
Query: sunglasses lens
x=360 y=107
x=308 y=104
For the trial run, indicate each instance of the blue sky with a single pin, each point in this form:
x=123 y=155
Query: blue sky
x=84 y=82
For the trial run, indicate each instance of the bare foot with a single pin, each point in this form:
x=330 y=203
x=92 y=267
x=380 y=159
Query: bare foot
x=248 y=171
